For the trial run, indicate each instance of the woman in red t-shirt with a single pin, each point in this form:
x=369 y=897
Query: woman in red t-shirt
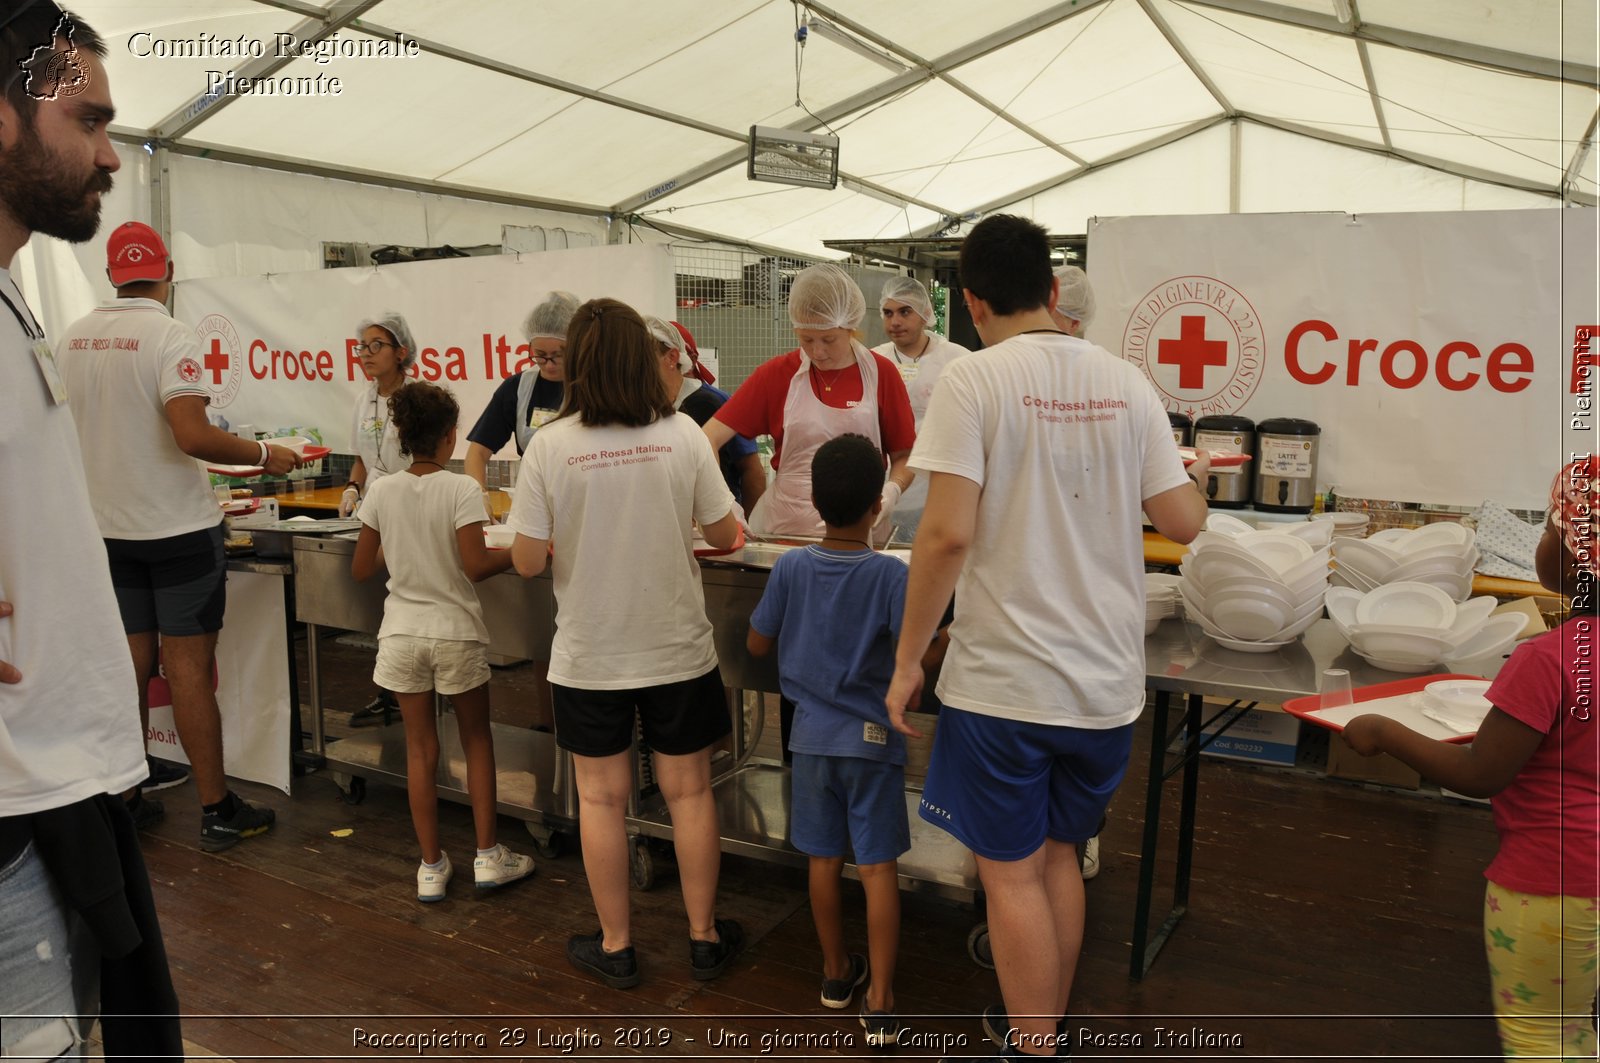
x=830 y=386
x=1537 y=756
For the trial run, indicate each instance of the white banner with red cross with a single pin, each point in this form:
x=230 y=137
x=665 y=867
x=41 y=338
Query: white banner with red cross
x=1445 y=356
x=280 y=350
x=252 y=687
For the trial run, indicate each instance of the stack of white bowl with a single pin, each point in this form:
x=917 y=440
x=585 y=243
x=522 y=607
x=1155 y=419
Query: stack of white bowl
x=1253 y=590
x=1346 y=525
x=1415 y=627
x=1441 y=555
x=1160 y=599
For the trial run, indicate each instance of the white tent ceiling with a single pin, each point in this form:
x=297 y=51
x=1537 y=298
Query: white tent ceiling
x=625 y=108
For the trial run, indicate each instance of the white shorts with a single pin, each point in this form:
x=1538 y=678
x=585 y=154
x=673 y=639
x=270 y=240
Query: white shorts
x=408 y=664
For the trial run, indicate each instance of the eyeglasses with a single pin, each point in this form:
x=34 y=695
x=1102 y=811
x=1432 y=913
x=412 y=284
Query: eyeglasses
x=376 y=346
x=546 y=359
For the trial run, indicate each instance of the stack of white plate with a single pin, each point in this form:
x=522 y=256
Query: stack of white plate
x=1441 y=555
x=1345 y=525
x=1415 y=627
x=1160 y=599
x=1252 y=590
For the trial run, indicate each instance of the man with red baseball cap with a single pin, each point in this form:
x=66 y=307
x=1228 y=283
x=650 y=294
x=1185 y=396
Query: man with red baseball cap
x=139 y=401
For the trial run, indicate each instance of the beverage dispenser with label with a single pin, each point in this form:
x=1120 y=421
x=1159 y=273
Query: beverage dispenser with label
x=1182 y=428
x=1286 y=465
x=1221 y=434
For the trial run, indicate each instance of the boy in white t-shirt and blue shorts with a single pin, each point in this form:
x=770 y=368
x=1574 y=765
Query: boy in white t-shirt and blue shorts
x=833 y=611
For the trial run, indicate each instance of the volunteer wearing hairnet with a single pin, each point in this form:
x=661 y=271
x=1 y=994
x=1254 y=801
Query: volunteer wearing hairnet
x=739 y=459
x=530 y=398
x=920 y=355
x=830 y=386
x=387 y=351
x=1075 y=305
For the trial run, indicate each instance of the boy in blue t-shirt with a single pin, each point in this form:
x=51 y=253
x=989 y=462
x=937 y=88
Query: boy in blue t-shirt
x=833 y=610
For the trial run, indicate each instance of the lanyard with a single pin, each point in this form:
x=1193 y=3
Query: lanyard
x=30 y=327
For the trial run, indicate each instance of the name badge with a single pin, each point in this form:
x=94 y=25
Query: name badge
x=876 y=733
x=50 y=371
x=909 y=370
x=538 y=417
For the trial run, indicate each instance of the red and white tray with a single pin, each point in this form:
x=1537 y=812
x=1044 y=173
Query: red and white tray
x=240 y=506
x=1218 y=461
x=1395 y=700
x=705 y=549
x=307 y=450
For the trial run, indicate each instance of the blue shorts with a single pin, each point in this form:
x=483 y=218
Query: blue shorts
x=1002 y=787
x=847 y=804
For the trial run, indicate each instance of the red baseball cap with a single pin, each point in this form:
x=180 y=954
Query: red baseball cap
x=135 y=253
x=700 y=372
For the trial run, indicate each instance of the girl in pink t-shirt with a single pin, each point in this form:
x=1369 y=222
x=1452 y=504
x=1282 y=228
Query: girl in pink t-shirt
x=1537 y=756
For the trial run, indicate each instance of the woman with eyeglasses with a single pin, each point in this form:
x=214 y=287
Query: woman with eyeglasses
x=387 y=351
x=526 y=401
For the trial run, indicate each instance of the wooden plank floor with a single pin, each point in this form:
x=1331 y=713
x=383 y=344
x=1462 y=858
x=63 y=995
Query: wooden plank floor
x=1328 y=921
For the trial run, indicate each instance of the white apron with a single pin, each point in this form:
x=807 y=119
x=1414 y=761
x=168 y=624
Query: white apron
x=377 y=442
x=785 y=508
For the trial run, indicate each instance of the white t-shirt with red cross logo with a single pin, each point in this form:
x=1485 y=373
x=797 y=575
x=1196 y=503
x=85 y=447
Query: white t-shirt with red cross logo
x=122 y=363
x=1066 y=442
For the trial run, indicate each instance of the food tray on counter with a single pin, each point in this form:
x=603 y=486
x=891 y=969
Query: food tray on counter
x=277 y=539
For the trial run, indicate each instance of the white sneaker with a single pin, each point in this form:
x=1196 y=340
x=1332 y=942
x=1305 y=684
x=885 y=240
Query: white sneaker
x=431 y=884
x=1091 y=858
x=501 y=868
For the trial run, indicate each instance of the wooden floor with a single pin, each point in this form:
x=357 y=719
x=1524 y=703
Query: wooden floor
x=1328 y=921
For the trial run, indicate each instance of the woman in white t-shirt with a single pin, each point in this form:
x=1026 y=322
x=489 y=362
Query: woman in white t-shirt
x=387 y=352
x=426 y=525
x=920 y=356
x=615 y=482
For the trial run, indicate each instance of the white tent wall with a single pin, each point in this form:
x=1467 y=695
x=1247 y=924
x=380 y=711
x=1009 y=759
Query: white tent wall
x=290 y=215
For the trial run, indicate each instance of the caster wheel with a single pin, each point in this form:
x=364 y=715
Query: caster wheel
x=643 y=866
x=978 y=946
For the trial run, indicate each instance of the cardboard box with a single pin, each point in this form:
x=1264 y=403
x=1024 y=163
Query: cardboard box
x=1260 y=736
x=1345 y=763
x=266 y=514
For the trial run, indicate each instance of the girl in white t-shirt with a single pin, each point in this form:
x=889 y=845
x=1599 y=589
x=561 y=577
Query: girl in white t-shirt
x=426 y=524
x=615 y=481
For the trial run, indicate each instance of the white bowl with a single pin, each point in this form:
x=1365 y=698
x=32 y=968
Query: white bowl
x=1314 y=567
x=1244 y=646
x=1223 y=524
x=1150 y=625
x=1431 y=566
x=1418 y=605
x=1456 y=588
x=1247 y=615
x=1375 y=562
x=1445 y=532
x=1463 y=697
x=1391 y=537
x=1470 y=617
x=1216 y=563
x=1497 y=633
x=1399 y=643
x=1279 y=549
x=1403 y=667
x=498 y=536
x=1344 y=520
x=1319 y=533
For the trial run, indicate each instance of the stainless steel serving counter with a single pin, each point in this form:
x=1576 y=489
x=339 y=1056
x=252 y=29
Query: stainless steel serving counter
x=534 y=776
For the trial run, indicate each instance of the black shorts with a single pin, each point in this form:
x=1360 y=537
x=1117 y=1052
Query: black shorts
x=677 y=718
x=177 y=586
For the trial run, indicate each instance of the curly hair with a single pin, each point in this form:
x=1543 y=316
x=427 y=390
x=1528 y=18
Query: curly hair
x=423 y=416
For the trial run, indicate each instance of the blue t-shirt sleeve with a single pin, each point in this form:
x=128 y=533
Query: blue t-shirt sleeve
x=498 y=423
x=767 y=620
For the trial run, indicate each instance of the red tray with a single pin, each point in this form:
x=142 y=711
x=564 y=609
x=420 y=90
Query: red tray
x=307 y=453
x=1303 y=707
x=1218 y=461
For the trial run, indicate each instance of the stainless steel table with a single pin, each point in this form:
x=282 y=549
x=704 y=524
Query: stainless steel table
x=1180 y=659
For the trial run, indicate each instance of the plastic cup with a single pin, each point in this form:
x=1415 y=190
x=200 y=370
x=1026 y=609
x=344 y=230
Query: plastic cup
x=1337 y=691
x=223 y=494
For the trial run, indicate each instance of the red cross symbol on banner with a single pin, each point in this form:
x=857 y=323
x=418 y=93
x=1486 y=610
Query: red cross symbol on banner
x=217 y=361
x=1191 y=352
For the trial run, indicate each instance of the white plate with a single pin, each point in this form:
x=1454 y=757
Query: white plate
x=1374 y=562
x=1249 y=647
x=1459 y=695
x=1278 y=549
x=1403 y=667
x=1399 y=643
x=1223 y=524
x=1470 y=616
x=1247 y=615
x=1389 y=537
x=1341 y=603
x=1217 y=563
x=1497 y=633
x=1409 y=605
x=1439 y=533
x=1431 y=566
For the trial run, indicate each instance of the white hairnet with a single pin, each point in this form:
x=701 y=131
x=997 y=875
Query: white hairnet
x=1077 y=298
x=910 y=291
x=824 y=296
x=667 y=336
x=549 y=320
x=395 y=325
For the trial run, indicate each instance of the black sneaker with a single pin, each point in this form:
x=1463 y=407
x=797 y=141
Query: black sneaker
x=710 y=958
x=838 y=992
x=619 y=970
x=218 y=832
x=146 y=812
x=997 y=1028
x=164 y=774
x=377 y=711
x=883 y=1027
